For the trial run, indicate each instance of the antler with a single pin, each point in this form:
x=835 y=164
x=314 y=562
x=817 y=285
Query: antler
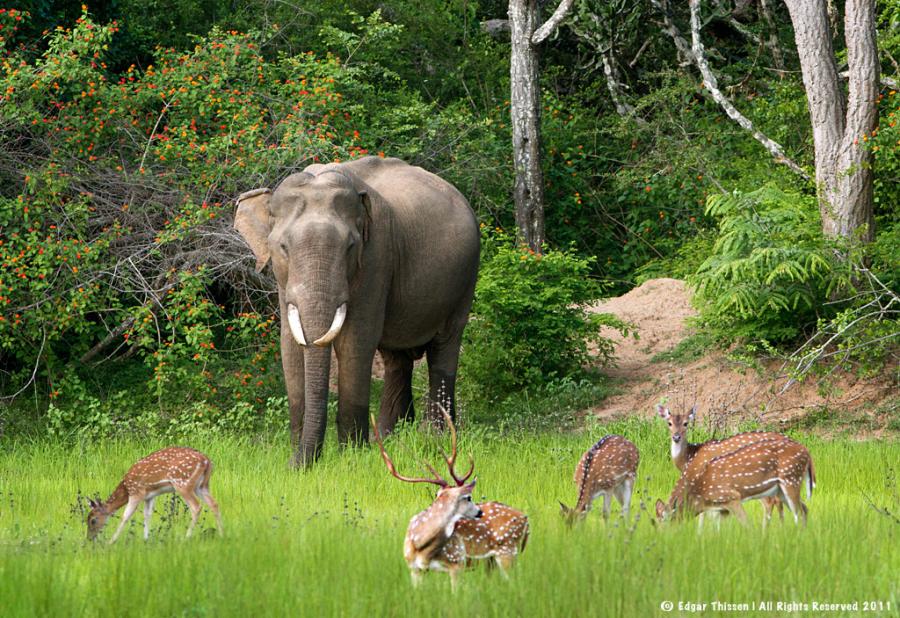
x=451 y=460
x=437 y=480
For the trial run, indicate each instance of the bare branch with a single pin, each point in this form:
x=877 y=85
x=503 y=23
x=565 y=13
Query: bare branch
x=695 y=52
x=550 y=26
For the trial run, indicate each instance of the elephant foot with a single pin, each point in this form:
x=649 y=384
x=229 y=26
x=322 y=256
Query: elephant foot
x=304 y=458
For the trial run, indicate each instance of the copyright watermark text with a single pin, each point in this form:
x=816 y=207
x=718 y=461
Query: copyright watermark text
x=781 y=607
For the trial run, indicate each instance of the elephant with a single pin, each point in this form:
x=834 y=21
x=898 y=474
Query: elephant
x=370 y=254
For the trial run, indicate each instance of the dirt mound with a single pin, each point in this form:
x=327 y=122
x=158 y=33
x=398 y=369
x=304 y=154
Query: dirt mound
x=721 y=388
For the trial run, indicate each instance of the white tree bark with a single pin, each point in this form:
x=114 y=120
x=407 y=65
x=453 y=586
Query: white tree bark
x=843 y=163
x=525 y=113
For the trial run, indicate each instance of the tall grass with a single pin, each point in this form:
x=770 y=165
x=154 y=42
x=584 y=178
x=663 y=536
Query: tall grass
x=328 y=541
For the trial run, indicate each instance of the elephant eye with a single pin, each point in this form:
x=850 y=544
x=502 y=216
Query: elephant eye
x=283 y=248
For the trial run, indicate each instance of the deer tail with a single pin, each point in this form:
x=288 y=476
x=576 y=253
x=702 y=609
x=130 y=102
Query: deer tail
x=810 y=479
x=524 y=540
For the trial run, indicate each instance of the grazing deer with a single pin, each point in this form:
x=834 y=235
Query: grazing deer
x=683 y=452
x=454 y=530
x=768 y=468
x=174 y=469
x=606 y=469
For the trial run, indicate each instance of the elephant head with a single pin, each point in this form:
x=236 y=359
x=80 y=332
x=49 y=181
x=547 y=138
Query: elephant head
x=313 y=229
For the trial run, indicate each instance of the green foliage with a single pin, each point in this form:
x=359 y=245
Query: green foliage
x=770 y=273
x=530 y=324
x=885 y=146
x=115 y=207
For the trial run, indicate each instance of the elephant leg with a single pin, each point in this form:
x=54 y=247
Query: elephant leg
x=354 y=387
x=396 y=399
x=294 y=379
x=443 y=358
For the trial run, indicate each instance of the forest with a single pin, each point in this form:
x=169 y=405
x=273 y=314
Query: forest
x=742 y=153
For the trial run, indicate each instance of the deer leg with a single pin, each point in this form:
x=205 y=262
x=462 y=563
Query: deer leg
x=795 y=504
x=736 y=508
x=627 y=488
x=203 y=492
x=505 y=561
x=607 y=500
x=130 y=508
x=454 y=577
x=148 y=512
x=188 y=496
x=415 y=576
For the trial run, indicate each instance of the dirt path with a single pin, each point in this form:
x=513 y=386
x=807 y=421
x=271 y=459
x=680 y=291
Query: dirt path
x=721 y=388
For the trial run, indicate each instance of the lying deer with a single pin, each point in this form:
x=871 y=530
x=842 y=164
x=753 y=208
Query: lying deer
x=684 y=452
x=606 y=469
x=769 y=468
x=174 y=469
x=454 y=531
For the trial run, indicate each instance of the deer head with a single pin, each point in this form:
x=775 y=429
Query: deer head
x=678 y=423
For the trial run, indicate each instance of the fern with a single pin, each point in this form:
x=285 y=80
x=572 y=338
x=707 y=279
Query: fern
x=770 y=273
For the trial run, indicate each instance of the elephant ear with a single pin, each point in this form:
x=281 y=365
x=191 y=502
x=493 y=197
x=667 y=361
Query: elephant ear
x=367 y=214
x=252 y=220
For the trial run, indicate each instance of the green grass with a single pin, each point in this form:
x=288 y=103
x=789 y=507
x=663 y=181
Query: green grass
x=687 y=350
x=328 y=541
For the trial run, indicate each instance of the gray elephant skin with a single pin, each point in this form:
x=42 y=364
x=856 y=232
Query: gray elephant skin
x=372 y=254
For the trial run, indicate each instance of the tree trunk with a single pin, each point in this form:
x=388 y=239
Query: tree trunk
x=843 y=163
x=525 y=112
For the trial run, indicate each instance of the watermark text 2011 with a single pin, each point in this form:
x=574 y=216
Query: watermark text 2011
x=786 y=607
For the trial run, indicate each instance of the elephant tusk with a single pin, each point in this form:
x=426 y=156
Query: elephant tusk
x=294 y=323
x=335 y=329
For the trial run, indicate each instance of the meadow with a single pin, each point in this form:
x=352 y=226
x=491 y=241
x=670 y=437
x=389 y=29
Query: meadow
x=327 y=541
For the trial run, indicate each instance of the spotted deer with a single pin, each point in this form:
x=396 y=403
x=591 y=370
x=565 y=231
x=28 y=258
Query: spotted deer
x=184 y=471
x=454 y=531
x=683 y=452
x=606 y=469
x=768 y=468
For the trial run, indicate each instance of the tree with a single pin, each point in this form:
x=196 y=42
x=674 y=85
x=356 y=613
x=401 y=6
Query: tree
x=844 y=177
x=525 y=112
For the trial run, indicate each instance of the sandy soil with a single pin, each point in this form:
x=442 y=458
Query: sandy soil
x=723 y=390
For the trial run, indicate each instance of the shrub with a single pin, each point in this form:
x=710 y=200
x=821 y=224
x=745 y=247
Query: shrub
x=116 y=194
x=770 y=273
x=530 y=325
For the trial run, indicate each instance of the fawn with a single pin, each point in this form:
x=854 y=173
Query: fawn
x=174 y=469
x=454 y=531
x=768 y=468
x=606 y=469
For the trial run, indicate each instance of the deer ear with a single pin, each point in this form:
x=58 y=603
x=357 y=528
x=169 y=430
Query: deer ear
x=662 y=410
x=563 y=507
x=471 y=486
x=251 y=219
x=660 y=508
x=693 y=412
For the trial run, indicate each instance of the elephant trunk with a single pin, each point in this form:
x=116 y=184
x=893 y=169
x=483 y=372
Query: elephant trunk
x=317 y=366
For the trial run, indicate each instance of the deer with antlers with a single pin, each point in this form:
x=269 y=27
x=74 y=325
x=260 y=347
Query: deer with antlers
x=775 y=468
x=606 y=469
x=184 y=471
x=454 y=531
x=684 y=453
